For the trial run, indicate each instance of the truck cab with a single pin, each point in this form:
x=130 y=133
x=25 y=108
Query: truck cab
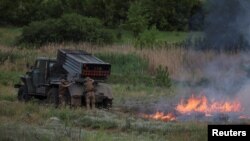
x=41 y=73
x=37 y=78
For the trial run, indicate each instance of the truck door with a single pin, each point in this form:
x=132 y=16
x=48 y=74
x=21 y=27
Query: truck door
x=39 y=76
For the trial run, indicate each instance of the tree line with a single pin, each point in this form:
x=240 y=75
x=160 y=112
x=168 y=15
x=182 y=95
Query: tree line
x=166 y=15
x=47 y=21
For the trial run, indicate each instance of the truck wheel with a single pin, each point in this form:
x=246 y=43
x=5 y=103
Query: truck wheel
x=67 y=98
x=53 y=97
x=107 y=103
x=22 y=94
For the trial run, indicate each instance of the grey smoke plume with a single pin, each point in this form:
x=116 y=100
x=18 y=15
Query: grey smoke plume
x=223 y=76
x=226 y=73
x=227 y=25
x=227 y=76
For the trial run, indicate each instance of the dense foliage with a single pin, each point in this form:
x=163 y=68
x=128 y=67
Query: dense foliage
x=165 y=14
x=70 y=27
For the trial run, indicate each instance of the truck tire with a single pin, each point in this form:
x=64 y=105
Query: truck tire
x=22 y=94
x=107 y=103
x=53 y=97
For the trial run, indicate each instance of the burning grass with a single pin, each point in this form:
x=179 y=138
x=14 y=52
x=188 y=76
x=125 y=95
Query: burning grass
x=201 y=107
x=161 y=116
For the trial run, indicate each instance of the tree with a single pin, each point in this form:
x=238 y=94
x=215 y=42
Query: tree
x=137 y=18
x=147 y=38
x=170 y=14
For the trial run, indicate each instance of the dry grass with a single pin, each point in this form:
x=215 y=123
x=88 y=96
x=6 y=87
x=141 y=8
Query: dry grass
x=172 y=58
x=182 y=64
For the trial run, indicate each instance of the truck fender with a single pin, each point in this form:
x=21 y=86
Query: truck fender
x=104 y=89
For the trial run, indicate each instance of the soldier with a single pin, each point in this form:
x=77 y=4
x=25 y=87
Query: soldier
x=63 y=89
x=90 y=95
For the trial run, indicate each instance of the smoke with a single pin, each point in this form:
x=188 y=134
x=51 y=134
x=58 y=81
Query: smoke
x=219 y=76
x=226 y=76
x=244 y=96
x=226 y=25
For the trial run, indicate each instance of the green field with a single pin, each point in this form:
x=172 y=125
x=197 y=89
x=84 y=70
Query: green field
x=9 y=36
x=162 y=36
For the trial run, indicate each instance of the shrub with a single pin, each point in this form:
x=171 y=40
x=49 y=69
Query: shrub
x=41 y=32
x=162 y=77
x=147 y=38
x=69 y=28
x=137 y=18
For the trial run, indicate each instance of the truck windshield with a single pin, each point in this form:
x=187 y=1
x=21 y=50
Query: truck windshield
x=41 y=65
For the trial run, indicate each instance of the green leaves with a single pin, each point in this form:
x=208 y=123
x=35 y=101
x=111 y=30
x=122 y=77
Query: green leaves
x=137 y=18
x=147 y=39
x=138 y=15
x=163 y=77
x=70 y=27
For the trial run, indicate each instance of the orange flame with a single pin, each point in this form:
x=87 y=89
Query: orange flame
x=198 y=104
x=201 y=104
x=161 y=116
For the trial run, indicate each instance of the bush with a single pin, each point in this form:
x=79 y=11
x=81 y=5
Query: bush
x=70 y=27
x=41 y=32
x=137 y=18
x=162 y=77
x=147 y=38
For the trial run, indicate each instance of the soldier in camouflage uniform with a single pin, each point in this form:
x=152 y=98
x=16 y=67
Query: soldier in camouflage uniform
x=90 y=95
x=63 y=89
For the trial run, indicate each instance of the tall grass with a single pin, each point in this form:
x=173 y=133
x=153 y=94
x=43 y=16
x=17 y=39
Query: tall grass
x=182 y=64
x=127 y=68
x=125 y=64
x=141 y=64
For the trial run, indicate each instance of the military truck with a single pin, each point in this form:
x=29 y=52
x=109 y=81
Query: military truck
x=44 y=77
